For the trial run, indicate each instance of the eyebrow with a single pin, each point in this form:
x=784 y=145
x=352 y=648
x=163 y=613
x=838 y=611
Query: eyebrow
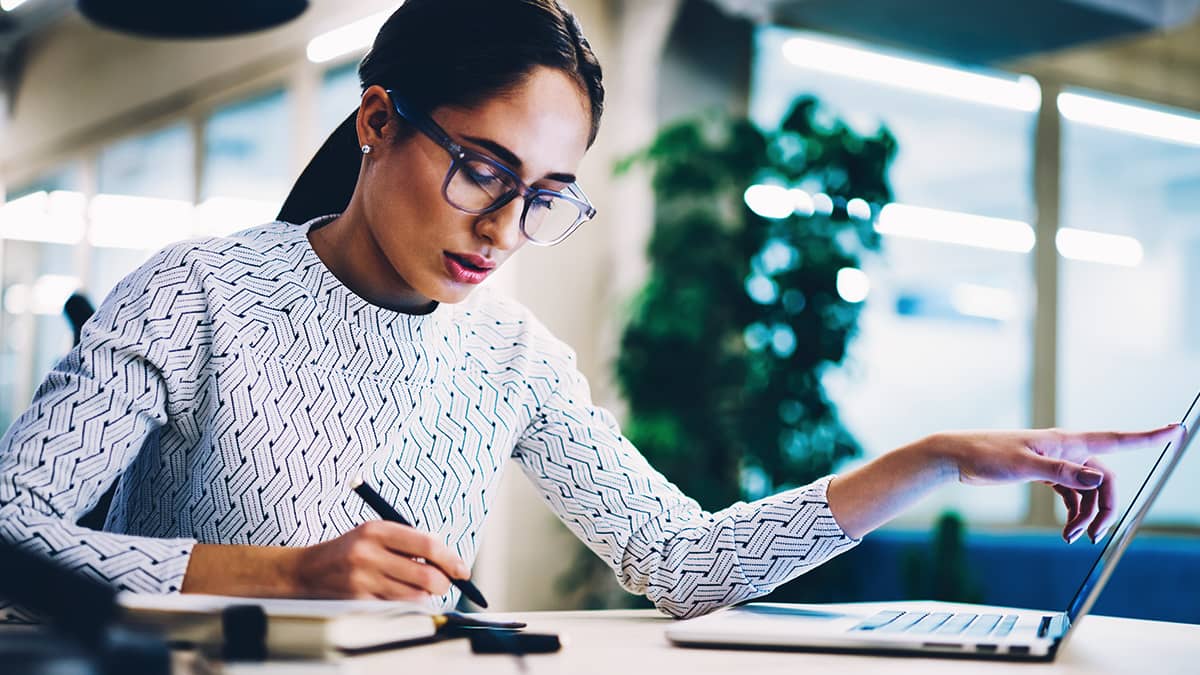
x=509 y=157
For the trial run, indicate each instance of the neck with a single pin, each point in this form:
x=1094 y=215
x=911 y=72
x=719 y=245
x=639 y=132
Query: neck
x=349 y=250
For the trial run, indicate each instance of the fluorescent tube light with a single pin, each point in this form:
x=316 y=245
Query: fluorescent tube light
x=1130 y=119
x=222 y=216
x=46 y=218
x=951 y=227
x=1098 y=247
x=139 y=223
x=352 y=37
x=840 y=58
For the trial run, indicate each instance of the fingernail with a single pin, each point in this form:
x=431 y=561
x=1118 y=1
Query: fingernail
x=1099 y=535
x=1089 y=477
x=1074 y=535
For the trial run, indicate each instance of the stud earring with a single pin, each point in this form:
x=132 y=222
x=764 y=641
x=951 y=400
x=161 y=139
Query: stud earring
x=366 y=149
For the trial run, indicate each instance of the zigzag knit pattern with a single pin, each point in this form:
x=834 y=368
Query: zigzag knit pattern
x=233 y=386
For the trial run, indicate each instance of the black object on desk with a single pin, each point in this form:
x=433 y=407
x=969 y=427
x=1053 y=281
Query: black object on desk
x=385 y=511
x=84 y=613
x=487 y=641
x=244 y=628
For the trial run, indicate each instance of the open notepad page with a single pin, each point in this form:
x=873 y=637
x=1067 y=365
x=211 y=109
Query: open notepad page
x=294 y=627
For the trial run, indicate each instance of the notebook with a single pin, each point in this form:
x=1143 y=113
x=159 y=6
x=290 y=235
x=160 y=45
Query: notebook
x=295 y=628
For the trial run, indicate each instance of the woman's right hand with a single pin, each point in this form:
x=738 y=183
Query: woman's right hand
x=378 y=559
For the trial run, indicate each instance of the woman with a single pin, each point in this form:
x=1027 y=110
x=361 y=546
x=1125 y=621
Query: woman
x=236 y=385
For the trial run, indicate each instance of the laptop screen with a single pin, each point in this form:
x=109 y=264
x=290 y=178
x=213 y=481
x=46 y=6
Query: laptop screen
x=1128 y=524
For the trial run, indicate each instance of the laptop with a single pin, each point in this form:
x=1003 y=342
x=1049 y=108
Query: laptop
x=934 y=628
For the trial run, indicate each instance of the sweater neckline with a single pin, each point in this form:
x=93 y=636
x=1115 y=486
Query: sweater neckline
x=341 y=301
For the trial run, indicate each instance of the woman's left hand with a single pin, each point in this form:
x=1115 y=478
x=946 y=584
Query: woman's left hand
x=1066 y=461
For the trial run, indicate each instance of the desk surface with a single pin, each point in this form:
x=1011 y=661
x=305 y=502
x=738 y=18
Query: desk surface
x=631 y=642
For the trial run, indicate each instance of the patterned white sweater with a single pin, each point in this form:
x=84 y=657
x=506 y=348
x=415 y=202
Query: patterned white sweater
x=233 y=385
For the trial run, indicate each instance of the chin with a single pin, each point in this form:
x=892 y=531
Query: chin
x=451 y=294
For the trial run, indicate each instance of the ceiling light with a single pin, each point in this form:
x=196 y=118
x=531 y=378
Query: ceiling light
x=1131 y=119
x=951 y=227
x=1098 y=247
x=44 y=217
x=841 y=58
x=139 y=223
x=352 y=37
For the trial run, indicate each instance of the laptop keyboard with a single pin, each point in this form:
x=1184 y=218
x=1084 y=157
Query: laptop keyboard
x=940 y=623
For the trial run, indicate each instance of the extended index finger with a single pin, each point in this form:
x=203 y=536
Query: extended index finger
x=1103 y=442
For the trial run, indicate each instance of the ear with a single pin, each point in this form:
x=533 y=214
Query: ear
x=375 y=117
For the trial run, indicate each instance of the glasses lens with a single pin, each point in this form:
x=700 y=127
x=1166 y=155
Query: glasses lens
x=478 y=184
x=550 y=218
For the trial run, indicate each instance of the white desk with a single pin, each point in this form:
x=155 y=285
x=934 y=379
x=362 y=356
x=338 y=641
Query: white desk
x=631 y=642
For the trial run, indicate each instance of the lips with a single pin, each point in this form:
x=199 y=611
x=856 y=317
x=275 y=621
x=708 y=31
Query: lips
x=473 y=261
x=468 y=269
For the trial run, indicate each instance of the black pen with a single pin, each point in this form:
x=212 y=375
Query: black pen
x=385 y=511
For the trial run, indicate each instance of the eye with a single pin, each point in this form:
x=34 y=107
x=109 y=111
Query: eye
x=483 y=176
x=543 y=202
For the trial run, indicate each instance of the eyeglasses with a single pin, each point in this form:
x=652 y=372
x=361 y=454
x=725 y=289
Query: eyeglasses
x=478 y=184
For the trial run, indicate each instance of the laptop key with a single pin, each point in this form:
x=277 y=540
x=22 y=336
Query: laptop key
x=903 y=623
x=881 y=619
x=957 y=624
x=984 y=625
x=1006 y=625
x=930 y=623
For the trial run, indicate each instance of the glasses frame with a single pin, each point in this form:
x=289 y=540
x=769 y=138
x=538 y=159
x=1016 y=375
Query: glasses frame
x=459 y=154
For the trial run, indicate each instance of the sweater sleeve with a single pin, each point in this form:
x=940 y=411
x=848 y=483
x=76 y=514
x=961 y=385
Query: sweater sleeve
x=90 y=418
x=659 y=542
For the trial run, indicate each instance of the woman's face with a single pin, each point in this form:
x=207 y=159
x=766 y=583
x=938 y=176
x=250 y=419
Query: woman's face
x=539 y=130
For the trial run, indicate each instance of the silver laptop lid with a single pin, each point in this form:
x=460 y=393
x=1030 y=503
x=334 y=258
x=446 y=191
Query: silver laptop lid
x=1127 y=526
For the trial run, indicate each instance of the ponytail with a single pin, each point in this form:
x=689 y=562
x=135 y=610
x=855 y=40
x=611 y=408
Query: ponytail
x=327 y=183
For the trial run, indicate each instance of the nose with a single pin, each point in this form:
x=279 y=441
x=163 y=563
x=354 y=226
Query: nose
x=502 y=227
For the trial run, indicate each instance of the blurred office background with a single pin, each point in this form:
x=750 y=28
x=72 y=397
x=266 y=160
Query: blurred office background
x=1049 y=278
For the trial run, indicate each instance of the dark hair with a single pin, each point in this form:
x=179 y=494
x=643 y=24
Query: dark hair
x=449 y=53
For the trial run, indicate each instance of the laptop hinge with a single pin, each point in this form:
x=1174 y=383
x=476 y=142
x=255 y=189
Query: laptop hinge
x=1053 y=626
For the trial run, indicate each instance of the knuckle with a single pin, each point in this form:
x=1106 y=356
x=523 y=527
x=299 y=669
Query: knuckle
x=373 y=529
x=1064 y=472
x=368 y=529
x=425 y=546
x=359 y=553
